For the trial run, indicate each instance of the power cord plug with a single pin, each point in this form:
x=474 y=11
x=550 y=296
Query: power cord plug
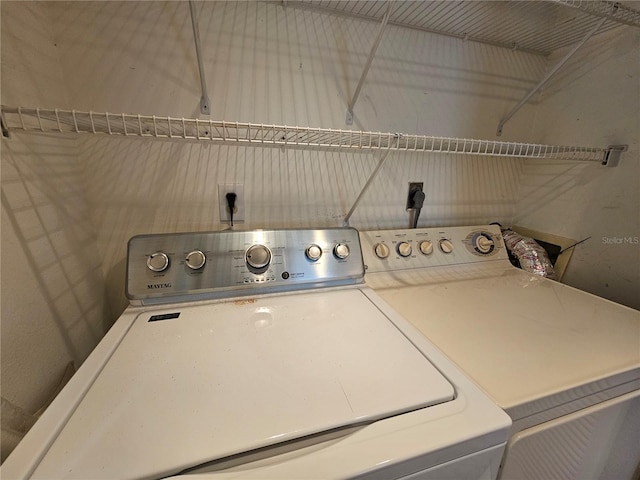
x=231 y=203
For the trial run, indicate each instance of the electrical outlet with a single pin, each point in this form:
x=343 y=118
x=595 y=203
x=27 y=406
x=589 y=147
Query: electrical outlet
x=413 y=187
x=238 y=214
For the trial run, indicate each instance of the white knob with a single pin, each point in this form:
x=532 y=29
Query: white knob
x=341 y=250
x=258 y=256
x=446 y=246
x=426 y=247
x=404 y=249
x=195 y=260
x=381 y=250
x=158 y=262
x=313 y=252
x=484 y=244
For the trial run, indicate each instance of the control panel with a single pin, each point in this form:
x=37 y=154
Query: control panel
x=387 y=250
x=166 y=266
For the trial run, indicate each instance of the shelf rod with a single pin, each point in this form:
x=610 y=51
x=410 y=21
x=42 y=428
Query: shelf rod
x=372 y=177
x=204 y=100
x=546 y=78
x=372 y=54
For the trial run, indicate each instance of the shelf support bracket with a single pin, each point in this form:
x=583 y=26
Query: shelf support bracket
x=3 y=125
x=372 y=177
x=372 y=54
x=550 y=74
x=612 y=155
x=204 y=100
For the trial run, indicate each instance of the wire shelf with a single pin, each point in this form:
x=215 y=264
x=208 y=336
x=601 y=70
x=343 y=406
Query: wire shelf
x=532 y=26
x=239 y=133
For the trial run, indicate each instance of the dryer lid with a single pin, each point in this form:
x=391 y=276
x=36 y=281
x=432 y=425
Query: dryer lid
x=227 y=378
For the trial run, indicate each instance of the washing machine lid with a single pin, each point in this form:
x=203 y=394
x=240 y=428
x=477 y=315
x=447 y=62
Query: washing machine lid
x=188 y=385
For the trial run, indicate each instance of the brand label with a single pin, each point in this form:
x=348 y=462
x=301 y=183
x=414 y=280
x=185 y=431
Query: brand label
x=153 y=286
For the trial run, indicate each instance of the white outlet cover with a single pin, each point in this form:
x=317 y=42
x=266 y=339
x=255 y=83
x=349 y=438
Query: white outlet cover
x=238 y=189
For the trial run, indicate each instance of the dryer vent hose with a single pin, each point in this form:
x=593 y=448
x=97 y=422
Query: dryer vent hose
x=529 y=254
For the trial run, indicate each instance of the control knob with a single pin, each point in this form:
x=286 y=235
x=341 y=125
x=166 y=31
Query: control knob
x=158 y=262
x=446 y=246
x=313 y=252
x=483 y=243
x=341 y=250
x=258 y=256
x=195 y=260
x=426 y=247
x=381 y=250
x=404 y=249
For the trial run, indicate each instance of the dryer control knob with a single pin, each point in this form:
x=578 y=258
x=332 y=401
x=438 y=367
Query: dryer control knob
x=483 y=244
x=158 y=262
x=313 y=252
x=195 y=260
x=404 y=249
x=426 y=247
x=258 y=256
x=381 y=250
x=446 y=246
x=341 y=250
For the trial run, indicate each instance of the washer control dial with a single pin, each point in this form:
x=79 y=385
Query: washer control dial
x=426 y=247
x=258 y=256
x=445 y=245
x=483 y=243
x=341 y=250
x=158 y=262
x=195 y=260
x=404 y=249
x=381 y=250
x=313 y=252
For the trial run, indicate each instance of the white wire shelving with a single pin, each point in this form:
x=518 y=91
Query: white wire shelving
x=532 y=26
x=252 y=134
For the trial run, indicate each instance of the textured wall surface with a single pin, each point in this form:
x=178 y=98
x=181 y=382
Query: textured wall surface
x=595 y=100
x=266 y=63
x=53 y=307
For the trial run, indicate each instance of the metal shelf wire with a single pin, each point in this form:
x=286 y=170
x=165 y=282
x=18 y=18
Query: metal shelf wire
x=532 y=26
x=252 y=134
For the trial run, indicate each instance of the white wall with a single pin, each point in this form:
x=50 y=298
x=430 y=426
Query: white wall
x=53 y=308
x=594 y=100
x=266 y=63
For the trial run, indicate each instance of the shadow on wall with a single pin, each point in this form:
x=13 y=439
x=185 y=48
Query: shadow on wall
x=53 y=306
x=268 y=63
x=144 y=186
x=545 y=181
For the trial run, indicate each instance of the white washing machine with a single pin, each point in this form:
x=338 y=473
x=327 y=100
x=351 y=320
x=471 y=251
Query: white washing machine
x=564 y=364
x=261 y=354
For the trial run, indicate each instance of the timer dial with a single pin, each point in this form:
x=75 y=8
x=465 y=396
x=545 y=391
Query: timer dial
x=258 y=256
x=483 y=243
x=158 y=262
x=404 y=249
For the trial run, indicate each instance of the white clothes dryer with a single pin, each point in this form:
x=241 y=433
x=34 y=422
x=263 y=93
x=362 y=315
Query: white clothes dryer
x=261 y=354
x=564 y=364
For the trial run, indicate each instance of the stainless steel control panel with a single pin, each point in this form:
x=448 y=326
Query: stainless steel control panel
x=164 y=267
x=387 y=250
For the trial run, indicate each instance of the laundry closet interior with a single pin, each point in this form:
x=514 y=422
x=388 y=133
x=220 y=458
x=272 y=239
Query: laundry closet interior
x=104 y=138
